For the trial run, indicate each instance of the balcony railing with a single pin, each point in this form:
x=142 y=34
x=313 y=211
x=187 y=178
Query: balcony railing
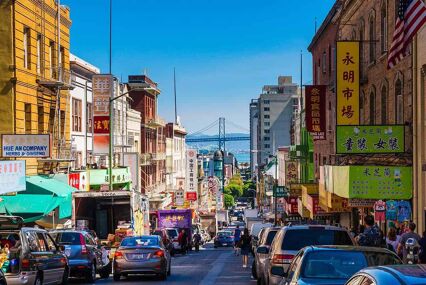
x=159 y=156
x=156 y=122
x=55 y=77
x=146 y=159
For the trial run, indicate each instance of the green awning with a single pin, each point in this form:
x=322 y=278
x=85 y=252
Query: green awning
x=43 y=195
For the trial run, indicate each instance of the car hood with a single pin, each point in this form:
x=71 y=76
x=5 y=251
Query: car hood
x=312 y=281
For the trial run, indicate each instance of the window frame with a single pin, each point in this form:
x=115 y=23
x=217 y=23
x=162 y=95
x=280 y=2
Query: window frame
x=26 y=44
x=77 y=106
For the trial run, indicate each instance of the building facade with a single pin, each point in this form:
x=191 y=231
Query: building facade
x=253 y=110
x=35 y=74
x=175 y=155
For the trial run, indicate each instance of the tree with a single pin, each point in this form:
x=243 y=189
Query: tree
x=235 y=190
x=229 y=200
x=247 y=186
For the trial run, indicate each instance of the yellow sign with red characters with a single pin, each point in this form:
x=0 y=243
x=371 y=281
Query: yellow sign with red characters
x=347 y=76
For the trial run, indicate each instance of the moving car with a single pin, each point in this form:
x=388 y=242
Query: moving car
x=34 y=257
x=85 y=257
x=144 y=255
x=266 y=237
x=333 y=264
x=173 y=235
x=414 y=274
x=223 y=239
x=289 y=240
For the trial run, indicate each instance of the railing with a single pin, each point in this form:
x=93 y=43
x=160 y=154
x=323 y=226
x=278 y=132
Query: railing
x=157 y=122
x=146 y=158
x=54 y=76
x=159 y=156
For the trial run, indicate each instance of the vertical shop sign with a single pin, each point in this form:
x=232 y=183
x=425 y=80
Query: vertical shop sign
x=291 y=172
x=191 y=170
x=315 y=111
x=347 y=77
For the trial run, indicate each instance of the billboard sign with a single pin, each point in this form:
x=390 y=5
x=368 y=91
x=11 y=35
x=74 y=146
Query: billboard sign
x=315 y=111
x=370 y=139
x=102 y=89
x=191 y=170
x=26 y=145
x=347 y=77
x=12 y=176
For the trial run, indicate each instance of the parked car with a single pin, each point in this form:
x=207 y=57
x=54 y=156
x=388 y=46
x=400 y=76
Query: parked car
x=336 y=264
x=266 y=236
x=86 y=258
x=289 y=240
x=167 y=241
x=173 y=235
x=34 y=257
x=144 y=255
x=224 y=239
x=257 y=231
x=2 y=278
x=413 y=274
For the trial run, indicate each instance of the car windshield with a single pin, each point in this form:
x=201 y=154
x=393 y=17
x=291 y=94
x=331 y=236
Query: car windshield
x=140 y=241
x=172 y=233
x=223 y=234
x=297 y=239
x=342 y=264
x=270 y=237
x=68 y=238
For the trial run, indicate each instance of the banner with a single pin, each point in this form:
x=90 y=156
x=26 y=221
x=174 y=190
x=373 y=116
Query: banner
x=291 y=172
x=26 y=145
x=191 y=170
x=191 y=196
x=131 y=159
x=370 y=139
x=315 y=111
x=102 y=90
x=79 y=180
x=347 y=77
x=12 y=176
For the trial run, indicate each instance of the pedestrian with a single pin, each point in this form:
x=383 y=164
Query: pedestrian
x=245 y=245
x=409 y=234
x=371 y=235
x=392 y=240
x=237 y=237
x=183 y=241
x=422 y=243
x=197 y=241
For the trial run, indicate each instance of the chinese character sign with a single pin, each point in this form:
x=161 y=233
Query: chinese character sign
x=191 y=170
x=291 y=172
x=370 y=139
x=12 y=176
x=102 y=89
x=347 y=75
x=315 y=111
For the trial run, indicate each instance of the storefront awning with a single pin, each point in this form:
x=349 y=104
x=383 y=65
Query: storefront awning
x=43 y=195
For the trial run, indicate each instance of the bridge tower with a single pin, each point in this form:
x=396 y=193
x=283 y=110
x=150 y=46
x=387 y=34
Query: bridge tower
x=222 y=133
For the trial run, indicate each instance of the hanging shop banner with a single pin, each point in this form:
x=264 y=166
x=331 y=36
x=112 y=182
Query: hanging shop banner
x=361 y=203
x=291 y=172
x=79 y=180
x=380 y=182
x=26 y=145
x=370 y=139
x=12 y=176
x=315 y=111
x=131 y=159
x=102 y=90
x=179 y=197
x=347 y=76
x=191 y=170
x=290 y=205
x=191 y=196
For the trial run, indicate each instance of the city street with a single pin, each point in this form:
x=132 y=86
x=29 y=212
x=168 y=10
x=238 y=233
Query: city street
x=206 y=267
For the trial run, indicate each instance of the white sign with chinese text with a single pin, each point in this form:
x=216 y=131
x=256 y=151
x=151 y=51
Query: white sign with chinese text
x=191 y=170
x=12 y=176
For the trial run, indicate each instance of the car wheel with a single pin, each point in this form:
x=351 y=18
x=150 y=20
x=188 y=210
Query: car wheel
x=38 y=280
x=65 y=276
x=116 y=277
x=163 y=276
x=91 y=275
x=253 y=269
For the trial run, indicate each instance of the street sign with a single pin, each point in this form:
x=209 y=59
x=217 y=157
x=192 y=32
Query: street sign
x=281 y=192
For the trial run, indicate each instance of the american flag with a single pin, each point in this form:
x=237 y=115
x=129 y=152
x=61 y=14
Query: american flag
x=411 y=17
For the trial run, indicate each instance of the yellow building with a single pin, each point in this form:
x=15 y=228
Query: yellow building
x=34 y=69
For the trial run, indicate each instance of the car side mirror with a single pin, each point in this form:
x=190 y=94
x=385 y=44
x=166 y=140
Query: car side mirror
x=262 y=250
x=279 y=271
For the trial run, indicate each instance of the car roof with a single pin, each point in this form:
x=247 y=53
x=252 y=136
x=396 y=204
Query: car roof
x=348 y=248
x=413 y=274
x=305 y=227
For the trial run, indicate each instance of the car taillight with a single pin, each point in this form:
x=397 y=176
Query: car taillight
x=118 y=255
x=158 y=253
x=25 y=264
x=83 y=245
x=282 y=258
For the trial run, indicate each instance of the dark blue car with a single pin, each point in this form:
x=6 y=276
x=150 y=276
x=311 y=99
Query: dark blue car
x=224 y=238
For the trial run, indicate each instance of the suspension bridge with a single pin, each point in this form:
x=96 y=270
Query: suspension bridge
x=199 y=136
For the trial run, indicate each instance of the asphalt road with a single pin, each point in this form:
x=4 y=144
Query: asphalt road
x=207 y=267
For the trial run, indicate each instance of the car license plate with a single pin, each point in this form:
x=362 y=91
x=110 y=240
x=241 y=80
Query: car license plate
x=225 y=244
x=138 y=256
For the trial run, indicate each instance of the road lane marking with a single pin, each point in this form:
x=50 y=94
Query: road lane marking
x=217 y=267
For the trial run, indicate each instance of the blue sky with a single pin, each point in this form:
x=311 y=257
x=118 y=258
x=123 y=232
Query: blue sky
x=224 y=51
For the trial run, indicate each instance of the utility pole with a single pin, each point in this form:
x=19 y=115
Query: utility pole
x=275 y=191
x=111 y=109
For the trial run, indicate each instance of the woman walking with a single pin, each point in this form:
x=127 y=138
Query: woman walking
x=392 y=240
x=245 y=245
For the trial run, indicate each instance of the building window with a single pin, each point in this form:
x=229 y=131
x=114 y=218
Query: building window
x=266 y=124
x=399 y=106
x=371 y=39
x=361 y=50
x=40 y=114
x=39 y=54
x=266 y=102
x=324 y=62
x=333 y=59
x=61 y=61
x=266 y=138
x=266 y=131
x=76 y=115
x=52 y=115
x=372 y=107
x=266 y=109
x=383 y=29
x=27 y=47
x=27 y=118
x=384 y=102
x=266 y=116
x=52 y=59
x=89 y=118
x=267 y=146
